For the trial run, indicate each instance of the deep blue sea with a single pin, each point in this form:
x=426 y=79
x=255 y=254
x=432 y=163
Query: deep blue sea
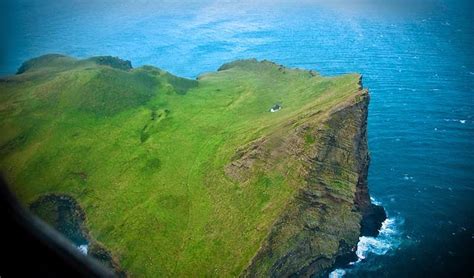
x=416 y=57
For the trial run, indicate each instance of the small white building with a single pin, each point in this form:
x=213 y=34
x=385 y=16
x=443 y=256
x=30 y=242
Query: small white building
x=275 y=108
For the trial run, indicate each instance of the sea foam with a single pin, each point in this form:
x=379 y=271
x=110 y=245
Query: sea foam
x=84 y=248
x=337 y=273
x=388 y=239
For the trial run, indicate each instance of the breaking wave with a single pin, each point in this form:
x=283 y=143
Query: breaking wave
x=389 y=238
x=84 y=248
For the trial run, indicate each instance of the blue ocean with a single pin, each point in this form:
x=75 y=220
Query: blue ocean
x=416 y=58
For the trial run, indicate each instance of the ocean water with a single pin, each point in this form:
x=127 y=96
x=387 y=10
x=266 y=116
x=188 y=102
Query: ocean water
x=416 y=58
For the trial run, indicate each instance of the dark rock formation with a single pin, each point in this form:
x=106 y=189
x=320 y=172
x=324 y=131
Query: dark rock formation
x=66 y=216
x=113 y=62
x=372 y=220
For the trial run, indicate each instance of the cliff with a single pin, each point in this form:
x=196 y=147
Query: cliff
x=323 y=220
x=180 y=177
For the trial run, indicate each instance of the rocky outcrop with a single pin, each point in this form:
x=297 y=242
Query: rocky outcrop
x=323 y=221
x=59 y=61
x=43 y=61
x=66 y=216
x=113 y=62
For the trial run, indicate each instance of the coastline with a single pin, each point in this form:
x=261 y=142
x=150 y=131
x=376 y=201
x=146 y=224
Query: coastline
x=324 y=226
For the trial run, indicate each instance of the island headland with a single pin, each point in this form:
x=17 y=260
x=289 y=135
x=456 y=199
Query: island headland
x=255 y=170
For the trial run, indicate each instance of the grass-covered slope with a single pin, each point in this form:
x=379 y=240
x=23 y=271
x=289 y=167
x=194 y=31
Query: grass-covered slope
x=176 y=176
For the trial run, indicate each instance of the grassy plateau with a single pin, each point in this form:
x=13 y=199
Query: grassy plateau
x=145 y=153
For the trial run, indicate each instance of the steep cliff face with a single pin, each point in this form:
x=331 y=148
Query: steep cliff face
x=323 y=221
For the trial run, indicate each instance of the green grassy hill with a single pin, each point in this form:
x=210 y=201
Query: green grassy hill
x=177 y=177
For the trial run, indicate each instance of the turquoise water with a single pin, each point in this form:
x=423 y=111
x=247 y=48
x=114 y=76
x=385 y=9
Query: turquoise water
x=417 y=59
